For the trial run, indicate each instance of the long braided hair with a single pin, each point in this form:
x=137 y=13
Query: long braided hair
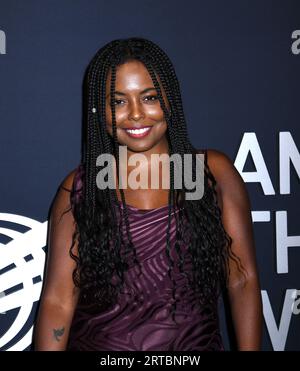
x=100 y=262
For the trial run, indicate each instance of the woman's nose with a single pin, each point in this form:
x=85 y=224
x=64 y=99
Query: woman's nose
x=136 y=112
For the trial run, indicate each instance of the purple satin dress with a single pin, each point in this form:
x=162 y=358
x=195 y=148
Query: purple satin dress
x=145 y=324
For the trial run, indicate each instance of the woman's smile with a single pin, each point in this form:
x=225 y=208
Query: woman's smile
x=139 y=118
x=138 y=133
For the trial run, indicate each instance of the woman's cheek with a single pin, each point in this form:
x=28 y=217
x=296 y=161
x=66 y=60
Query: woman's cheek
x=120 y=115
x=155 y=113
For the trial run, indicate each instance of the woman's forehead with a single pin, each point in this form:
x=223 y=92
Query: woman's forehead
x=131 y=70
x=132 y=75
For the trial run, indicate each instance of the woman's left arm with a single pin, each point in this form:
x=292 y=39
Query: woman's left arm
x=243 y=290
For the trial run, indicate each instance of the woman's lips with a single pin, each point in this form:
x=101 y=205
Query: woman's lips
x=138 y=133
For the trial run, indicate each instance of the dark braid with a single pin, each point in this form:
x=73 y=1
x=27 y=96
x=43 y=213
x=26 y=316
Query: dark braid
x=116 y=147
x=99 y=230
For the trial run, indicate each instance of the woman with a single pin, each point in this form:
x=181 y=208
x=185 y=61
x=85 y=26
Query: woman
x=146 y=273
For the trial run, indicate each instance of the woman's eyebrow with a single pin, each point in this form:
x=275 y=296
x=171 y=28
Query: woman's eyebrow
x=142 y=92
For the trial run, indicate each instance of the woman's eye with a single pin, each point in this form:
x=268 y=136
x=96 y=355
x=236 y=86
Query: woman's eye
x=117 y=101
x=152 y=96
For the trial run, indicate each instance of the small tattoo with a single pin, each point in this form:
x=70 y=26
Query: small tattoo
x=58 y=333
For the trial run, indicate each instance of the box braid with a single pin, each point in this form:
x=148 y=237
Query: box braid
x=116 y=148
x=96 y=226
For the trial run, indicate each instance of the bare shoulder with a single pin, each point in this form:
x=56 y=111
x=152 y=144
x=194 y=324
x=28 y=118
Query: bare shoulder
x=229 y=181
x=219 y=162
x=216 y=158
x=222 y=166
x=62 y=199
x=67 y=182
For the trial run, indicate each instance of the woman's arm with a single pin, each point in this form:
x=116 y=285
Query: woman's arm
x=244 y=291
x=59 y=295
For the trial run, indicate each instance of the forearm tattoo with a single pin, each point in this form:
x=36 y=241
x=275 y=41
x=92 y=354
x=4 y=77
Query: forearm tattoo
x=58 y=333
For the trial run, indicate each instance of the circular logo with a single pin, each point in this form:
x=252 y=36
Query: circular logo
x=22 y=261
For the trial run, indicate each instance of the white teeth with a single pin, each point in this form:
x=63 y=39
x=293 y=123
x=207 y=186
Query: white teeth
x=137 y=131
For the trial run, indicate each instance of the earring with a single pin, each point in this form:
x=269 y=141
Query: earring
x=94 y=110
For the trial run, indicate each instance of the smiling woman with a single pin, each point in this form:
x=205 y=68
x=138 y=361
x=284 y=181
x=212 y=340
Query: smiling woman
x=144 y=269
x=137 y=110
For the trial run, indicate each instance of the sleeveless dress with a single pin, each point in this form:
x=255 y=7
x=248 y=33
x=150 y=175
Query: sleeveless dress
x=143 y=322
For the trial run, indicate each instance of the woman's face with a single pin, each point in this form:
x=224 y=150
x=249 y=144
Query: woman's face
x=137 y=106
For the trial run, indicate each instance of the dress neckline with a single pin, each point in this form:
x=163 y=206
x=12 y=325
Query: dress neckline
x=143 y=210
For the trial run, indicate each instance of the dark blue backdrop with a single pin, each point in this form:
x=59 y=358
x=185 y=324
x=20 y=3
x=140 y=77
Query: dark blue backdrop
x=238 y=63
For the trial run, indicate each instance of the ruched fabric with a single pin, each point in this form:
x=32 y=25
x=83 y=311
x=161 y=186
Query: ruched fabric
x=141 y=319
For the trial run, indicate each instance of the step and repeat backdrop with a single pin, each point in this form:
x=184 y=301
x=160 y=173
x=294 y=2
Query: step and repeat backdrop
x=238 y=63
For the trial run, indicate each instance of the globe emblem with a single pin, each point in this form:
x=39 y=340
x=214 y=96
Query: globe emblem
x=22 y=261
